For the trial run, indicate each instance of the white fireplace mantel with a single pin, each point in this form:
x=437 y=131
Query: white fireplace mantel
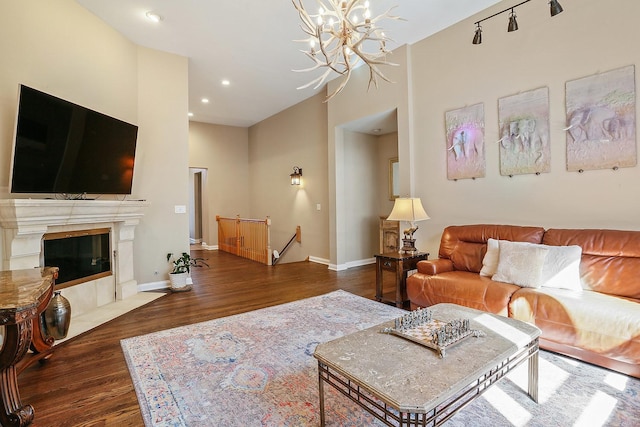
x=25 y=214
x=25 y=221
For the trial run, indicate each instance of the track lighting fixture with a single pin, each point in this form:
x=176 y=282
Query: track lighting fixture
x=513 y=24
x=554 y=9
x=477 y=38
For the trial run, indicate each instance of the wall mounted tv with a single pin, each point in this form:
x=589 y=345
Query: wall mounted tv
x=61 y=147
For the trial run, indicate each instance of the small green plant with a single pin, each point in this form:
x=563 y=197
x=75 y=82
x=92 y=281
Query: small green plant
x=184 y=263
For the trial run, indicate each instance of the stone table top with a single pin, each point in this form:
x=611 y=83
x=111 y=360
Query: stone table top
x=413 y=378
x=22 y=290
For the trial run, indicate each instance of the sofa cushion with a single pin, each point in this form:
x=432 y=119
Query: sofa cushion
x=520 y=264
x=561 y=267
x=592 y=321
x=610 y=258
x=467 y=256
x=477 y=235
x=491 y=257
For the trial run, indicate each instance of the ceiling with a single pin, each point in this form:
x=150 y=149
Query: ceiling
x=251 y=43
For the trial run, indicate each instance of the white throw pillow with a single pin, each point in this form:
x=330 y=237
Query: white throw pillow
x=490 y=260
x=521 y=264
x=562 y=268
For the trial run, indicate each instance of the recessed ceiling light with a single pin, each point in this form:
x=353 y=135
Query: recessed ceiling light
x=153 y=16
x=225 y=82
x=205 y=100
x=377 y=130
x=190 y=114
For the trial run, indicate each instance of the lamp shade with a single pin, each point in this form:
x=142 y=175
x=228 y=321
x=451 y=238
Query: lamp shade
x=408 y=209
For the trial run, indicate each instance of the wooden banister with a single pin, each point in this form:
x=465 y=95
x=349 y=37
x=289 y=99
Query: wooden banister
x=248 y=238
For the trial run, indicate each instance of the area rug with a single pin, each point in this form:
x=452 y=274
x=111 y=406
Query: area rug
x=257 y=369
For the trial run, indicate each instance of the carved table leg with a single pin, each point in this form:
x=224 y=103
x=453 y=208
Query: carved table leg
x=16 y=343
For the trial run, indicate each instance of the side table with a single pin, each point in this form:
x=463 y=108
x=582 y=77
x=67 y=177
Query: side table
x=24 y=295
x=400 y=264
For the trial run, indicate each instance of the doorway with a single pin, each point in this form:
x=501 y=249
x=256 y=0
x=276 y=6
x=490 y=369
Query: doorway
x=368 y=146
x=197 y=205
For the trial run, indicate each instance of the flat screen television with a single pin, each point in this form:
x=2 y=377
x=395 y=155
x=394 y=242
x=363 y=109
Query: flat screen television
x=61 y=147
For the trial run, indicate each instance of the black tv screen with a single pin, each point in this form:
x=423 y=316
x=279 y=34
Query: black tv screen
x=62 y=147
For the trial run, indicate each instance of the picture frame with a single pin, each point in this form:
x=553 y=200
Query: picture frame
x=394 y=180
x=465 y=153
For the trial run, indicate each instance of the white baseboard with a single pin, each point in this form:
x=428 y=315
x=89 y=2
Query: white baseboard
x=319 y=260
x=154 y=286
x=352 y=264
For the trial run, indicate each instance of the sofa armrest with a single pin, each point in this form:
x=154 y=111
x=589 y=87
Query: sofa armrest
x=436 y=266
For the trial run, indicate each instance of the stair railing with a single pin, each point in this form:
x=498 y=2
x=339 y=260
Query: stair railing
x=247 y=238
x=297 y=237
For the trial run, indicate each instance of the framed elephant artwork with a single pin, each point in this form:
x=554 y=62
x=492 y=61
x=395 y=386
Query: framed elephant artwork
x=601 y=121
x=524 y=133
x=465 y=143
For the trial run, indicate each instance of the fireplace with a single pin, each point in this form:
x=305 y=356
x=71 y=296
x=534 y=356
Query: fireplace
x=81 y=256
x=24 y=223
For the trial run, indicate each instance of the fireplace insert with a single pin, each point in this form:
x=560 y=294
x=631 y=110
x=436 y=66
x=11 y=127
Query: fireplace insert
x=81 y=256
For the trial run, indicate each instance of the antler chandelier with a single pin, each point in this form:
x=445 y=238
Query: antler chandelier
x=338 y=34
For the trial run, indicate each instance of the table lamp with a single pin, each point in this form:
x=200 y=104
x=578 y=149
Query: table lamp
x=408 y=209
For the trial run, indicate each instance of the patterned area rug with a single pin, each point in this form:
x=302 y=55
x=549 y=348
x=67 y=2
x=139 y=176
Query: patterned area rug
x=257 y=369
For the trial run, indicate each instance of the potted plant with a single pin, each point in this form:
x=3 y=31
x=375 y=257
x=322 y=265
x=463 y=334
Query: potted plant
x=181 y=269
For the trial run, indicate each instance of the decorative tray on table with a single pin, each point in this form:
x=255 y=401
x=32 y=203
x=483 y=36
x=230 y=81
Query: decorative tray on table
x=419 y=326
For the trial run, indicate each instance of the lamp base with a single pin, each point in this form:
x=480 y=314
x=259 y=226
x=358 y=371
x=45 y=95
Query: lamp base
x=408 y=246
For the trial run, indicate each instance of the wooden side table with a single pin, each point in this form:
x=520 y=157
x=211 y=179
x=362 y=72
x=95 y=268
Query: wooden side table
x=24 y=295
x=400 y=264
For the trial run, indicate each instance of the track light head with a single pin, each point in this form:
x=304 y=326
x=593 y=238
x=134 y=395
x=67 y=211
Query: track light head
x=513 y=24
x=477 y=38
x=555 y=7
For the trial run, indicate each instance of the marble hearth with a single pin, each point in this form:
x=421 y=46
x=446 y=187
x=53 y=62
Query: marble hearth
x=24 y=222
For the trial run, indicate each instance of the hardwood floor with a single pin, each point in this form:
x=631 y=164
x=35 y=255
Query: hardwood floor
x=87 y=383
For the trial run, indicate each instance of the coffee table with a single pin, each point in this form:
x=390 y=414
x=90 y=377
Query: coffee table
x=403 y=383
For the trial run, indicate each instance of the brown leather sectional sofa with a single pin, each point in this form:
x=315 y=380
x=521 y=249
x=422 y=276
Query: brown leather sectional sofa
x=599 y=324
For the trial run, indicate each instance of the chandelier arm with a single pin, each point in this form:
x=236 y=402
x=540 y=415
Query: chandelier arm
x=340 y=47
x=304 y=16
x=341 y=86
x=387 y=15
x=327 y=55
x=319 y=80
x=380 y=74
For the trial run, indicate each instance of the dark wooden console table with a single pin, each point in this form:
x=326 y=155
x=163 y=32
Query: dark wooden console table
x=400 y=264
x=24 y=295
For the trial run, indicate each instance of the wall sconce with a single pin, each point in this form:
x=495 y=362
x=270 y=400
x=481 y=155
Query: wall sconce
x=296 y=176
x=554 y=9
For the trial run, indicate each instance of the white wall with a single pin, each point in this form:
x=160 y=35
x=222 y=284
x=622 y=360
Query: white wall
x=354 y=103
x=61 y=48
x=589 y=37
x=446 y=72
x=224 y=152
x=161 y=173
x=294 y=137
x=361 y=194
